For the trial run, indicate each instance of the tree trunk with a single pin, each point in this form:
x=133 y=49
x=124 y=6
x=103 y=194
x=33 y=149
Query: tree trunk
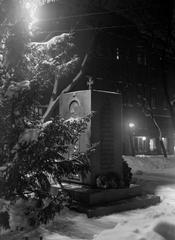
x=132 y=143
x=163 y=148
x=160 y=136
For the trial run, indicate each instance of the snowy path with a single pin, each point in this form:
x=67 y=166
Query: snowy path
x=153 y=223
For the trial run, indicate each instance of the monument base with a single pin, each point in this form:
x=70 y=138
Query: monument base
x=118 y=206
x=99 y=202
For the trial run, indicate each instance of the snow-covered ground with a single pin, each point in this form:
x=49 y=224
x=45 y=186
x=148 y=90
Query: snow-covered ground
x=156 y=175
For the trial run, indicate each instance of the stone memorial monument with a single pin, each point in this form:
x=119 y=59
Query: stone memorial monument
x=105 y=128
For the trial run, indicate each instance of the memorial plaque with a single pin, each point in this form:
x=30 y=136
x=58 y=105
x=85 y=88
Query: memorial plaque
x=105 y=128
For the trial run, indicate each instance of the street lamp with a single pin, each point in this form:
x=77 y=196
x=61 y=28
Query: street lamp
x=131 y=137
x=131 y=125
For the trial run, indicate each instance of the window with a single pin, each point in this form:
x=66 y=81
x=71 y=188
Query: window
x=165 y=142
x=152 y=144
x=118 y=54
x=141 y=144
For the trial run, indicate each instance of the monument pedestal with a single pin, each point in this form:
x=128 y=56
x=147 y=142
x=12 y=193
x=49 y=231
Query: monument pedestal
x=104 y=128
x=99 y=202
x=117 y=206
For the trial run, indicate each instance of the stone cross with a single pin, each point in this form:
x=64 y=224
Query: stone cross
x=90 y=82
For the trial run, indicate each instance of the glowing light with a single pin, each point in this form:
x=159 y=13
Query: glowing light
x=131 y=125
x=31 y=8
x=118 y=55
x=152 y=144
x=28 y=5
x=144 y=138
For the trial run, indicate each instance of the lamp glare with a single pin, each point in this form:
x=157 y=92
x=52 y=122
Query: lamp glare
x=131 y=125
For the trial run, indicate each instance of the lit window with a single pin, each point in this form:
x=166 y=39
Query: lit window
x=117 y=54
x=165 y=142
x=152 y=144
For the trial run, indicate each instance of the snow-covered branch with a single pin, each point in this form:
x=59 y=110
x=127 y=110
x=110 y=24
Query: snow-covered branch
x=75 y=80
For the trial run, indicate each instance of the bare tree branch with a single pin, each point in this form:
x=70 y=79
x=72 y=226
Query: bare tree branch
x=74 y=82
